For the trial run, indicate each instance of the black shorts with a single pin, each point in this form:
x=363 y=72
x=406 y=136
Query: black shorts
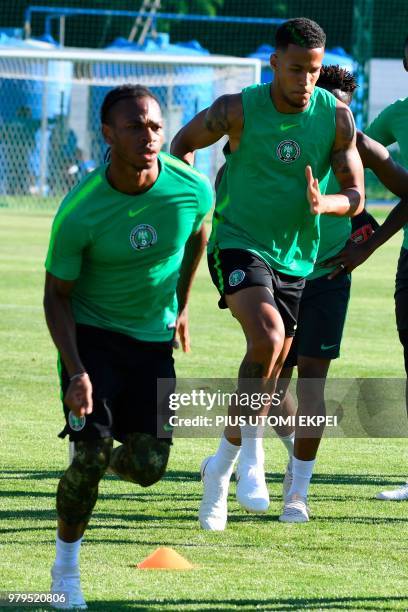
x=322 y=315
x=235 y=269
x=124 y=374
x=401 y=291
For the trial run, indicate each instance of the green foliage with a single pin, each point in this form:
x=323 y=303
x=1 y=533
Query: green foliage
x=387 y=35
x=199 y=7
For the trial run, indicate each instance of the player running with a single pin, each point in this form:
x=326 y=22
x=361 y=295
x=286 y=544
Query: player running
x=389 y=127
x=266 y=226
x=323 y=309
x=124 y=247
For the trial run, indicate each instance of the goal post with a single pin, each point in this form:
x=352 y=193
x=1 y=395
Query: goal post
x=49 y=111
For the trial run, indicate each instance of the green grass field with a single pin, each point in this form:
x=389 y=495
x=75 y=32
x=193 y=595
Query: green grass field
x=353 y=553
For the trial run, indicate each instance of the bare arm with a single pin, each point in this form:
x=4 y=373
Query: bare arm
x=223 y=117
x=60 y=321
x=376 y=157
x=193 y=252
x=347 y=167
x=394 y=221
x=354 y=255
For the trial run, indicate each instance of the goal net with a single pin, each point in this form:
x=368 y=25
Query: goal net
x=50 y=102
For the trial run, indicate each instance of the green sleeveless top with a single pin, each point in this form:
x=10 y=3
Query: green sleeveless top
x=261 y=201
x=391 y=126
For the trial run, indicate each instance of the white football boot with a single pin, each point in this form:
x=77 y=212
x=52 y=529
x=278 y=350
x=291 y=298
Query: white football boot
x=67 y=582
x=295 y=510
x=399 y=494
x=252 y=492
x=213 y=508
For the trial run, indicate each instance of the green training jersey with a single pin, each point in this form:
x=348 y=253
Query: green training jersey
x=334 y=233
x=261 y=204
x=125 y=251
x=391 y=126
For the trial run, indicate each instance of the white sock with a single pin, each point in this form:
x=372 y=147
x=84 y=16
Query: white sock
x=252 y=451
x=302 y=474
x=224 y=459
x=67 y=553
x=289 y=442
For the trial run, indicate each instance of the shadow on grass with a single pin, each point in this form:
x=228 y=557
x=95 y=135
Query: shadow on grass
x=28 y=514
x=347 y=479
x=50 y=514
x=326 y=479
x=317 y=498
x=196 y=605
x=140 y=496
x=30 y=493
x=183 y=475
x=30 y=474
x=180 y=544
x=363 y=520
x=193 y=476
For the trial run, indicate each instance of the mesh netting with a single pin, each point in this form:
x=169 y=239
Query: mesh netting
x=50 y=122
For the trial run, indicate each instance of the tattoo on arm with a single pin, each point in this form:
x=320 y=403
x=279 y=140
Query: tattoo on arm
x=216 y=119
x=339 y=162
x=346 y=162
x=346 y=134
x=346 y=125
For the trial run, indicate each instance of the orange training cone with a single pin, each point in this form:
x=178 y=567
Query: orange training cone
x=165 y=558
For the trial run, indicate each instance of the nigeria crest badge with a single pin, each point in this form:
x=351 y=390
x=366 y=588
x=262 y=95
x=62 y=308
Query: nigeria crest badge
x=288 y=151
x=76 y=423
x=236 y=277
x=143 y=236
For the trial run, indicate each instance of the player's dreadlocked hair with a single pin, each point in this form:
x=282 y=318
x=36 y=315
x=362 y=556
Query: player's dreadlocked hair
x=121 y=93
x=300 y=31
x=334 y=77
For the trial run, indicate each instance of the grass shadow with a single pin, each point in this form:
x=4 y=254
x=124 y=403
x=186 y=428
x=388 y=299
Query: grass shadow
x=248 y=605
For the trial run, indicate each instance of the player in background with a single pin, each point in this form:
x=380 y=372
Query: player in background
x=265 y=231
x=323 y=307
x=124 y=247
x=388 y=128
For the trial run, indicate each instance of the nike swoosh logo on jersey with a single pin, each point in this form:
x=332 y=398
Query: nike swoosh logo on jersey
x=284 y=127
x=133 y=214
x=323 y=347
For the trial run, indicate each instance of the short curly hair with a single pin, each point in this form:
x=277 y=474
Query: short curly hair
x=300 y=31
x=121 y=93
x=334 y=77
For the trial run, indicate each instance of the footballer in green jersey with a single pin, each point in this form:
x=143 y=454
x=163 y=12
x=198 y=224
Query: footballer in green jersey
x=123 y=251
x=283 y=139
x=390 y=127
x=324 y=301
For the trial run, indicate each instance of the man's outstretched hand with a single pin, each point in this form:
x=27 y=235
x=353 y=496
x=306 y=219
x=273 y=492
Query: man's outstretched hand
x=182 y=332
x=350 y=257
x=315 y=198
